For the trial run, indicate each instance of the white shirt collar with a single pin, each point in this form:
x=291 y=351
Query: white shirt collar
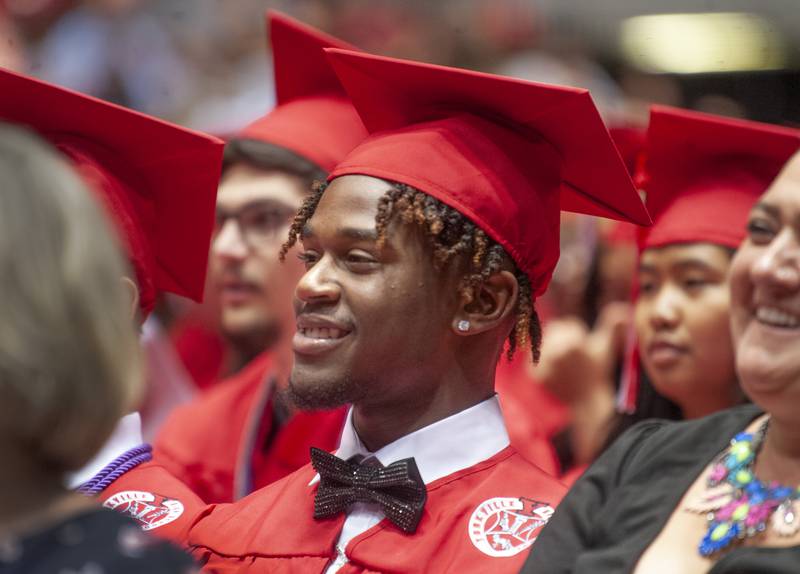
x=442 y=448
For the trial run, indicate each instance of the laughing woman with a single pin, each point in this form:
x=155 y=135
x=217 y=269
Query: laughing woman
x=717 y=494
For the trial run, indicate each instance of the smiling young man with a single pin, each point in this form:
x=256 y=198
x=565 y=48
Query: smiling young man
x=424 y=257
x=269 y=170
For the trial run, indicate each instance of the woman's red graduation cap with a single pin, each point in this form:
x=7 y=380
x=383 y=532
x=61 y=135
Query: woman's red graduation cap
x=507 y=153
x=701 y=175
x=313 y=117
x=157 y=180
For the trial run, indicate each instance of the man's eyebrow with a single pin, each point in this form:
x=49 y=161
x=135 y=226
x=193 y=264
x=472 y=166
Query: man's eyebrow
x=256 y=204
x=646 y=268
x=359 y=234
x=693 y=263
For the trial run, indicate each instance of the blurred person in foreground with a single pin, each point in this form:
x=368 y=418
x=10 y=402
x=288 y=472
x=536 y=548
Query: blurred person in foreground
x=718 y=493
x=157 y=184
x=69 y=369
x=243 y=433
x=424 y=257
x=701 y=175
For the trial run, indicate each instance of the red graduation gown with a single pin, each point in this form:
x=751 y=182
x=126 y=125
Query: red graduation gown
x=156 y=500
x=480 y=519
x=215 y=444
x=533 y=415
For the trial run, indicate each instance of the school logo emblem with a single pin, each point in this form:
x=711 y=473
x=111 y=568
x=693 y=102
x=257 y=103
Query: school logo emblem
x=150 y=510
x=502 y=527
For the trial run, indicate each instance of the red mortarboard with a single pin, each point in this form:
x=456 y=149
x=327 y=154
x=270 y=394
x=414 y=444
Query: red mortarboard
x=313 y=117
x=157 y=180
x=703 y=173
x=507 y=153
x=630 y=145
x=630 y=141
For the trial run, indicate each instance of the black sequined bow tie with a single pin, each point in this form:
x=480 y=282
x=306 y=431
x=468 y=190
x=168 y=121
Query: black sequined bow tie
x=397 y=488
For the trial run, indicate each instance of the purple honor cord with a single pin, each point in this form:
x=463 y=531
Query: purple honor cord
x=119 y=466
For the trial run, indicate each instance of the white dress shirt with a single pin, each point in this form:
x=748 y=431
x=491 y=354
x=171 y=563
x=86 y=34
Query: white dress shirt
x=442 y=448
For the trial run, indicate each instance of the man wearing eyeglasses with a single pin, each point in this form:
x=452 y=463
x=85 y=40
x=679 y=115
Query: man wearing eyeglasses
x=262 y=188
x=242 y=434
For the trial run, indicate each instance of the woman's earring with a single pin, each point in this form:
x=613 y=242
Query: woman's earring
x=463 y=326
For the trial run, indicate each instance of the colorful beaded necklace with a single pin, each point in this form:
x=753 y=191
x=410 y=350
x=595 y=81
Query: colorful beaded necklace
x=737 y=504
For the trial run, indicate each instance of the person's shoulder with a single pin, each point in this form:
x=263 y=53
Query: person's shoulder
x=156 y=500
x=651 y=441
x=506 y=465
x=506 y=475
x=236 y=528
x=108 y=541
x=516 y=471
x=230 y=398
x=728 y=421
x=290 y=490
x=732 y=418
x=492 y=510
x=229 y=392
x=518 y=467
x=129 y=549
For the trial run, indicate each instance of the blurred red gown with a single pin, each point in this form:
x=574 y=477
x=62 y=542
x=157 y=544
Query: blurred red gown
x=533 y=415
x=208 y=451
x=229 y=442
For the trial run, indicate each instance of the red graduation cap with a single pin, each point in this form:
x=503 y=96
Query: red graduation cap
x=630 y=140
x=313 y=117
x=507 y=153
x=157 y=180
x=703 y=173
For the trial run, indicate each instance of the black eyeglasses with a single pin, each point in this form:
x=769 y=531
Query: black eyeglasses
x=257 y=223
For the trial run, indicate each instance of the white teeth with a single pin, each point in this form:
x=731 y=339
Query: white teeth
x=777 y=318
x=322 y=333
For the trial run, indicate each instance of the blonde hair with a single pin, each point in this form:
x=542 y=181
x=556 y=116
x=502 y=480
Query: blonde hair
x=69 y=354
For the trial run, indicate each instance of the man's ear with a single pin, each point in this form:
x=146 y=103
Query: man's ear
x=491 y=305
x=133 y=292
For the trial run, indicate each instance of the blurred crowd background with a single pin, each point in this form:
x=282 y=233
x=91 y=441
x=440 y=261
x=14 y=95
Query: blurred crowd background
x=205 y=64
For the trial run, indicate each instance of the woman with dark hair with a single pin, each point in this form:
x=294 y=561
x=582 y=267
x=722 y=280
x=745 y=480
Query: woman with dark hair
x=701 y=175
x=716 y=494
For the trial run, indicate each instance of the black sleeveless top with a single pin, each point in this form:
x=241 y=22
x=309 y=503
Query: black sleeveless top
x=617 y=508
x=98 y=541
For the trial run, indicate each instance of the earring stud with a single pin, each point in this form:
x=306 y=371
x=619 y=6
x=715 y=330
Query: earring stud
x=463 y=326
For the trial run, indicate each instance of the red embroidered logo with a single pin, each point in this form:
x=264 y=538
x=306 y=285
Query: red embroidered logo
x=507 y=526
x=150 y=510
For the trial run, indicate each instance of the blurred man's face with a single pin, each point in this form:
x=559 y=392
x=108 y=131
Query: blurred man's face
x=254 y=210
